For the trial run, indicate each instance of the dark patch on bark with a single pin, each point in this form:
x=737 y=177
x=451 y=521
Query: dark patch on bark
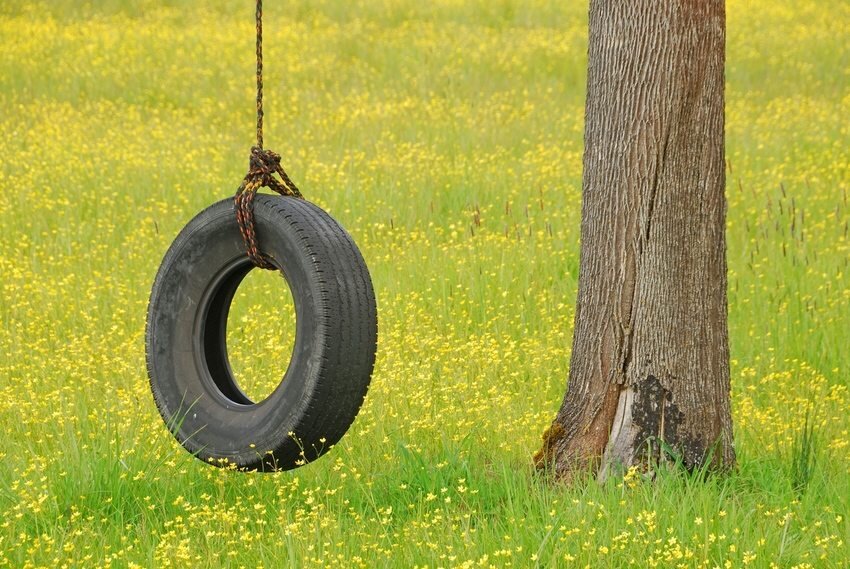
x=649 y=410
x=662 y=435
x=657 y=419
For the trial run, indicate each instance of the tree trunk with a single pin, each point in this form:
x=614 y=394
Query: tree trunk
x=649 y=374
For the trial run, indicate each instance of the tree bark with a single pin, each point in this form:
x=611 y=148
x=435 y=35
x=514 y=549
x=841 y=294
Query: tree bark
x=649 y=374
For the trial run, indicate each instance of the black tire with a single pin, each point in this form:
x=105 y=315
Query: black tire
x=335 y=339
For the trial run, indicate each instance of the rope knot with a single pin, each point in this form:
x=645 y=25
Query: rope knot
x=262 y=167
x=263 y=163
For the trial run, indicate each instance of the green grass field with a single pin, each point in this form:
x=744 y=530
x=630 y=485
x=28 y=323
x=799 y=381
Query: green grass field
x=446 y=137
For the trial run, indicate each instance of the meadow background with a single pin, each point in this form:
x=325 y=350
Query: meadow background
x=446 y=136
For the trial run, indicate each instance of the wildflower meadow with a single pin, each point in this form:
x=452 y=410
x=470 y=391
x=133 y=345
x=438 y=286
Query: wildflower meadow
x=446 y=137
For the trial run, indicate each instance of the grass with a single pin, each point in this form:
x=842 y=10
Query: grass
x=447 y=137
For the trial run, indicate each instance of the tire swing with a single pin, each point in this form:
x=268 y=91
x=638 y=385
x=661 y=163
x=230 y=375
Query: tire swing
x=336 y=323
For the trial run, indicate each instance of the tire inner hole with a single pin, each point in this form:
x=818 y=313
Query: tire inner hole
x=260 y=336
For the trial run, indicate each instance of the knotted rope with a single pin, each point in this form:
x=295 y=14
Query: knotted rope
x=262 y=166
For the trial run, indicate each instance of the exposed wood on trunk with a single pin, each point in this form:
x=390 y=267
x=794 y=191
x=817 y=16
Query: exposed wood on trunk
x=650 y=358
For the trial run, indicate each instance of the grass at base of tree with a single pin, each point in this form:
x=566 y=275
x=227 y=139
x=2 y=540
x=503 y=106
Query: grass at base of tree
x=446 y=137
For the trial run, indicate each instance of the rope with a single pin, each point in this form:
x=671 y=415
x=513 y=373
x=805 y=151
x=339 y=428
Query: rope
x=262 y=166
x=260 y=74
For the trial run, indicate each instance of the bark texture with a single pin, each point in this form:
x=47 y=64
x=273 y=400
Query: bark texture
x=649 y=374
